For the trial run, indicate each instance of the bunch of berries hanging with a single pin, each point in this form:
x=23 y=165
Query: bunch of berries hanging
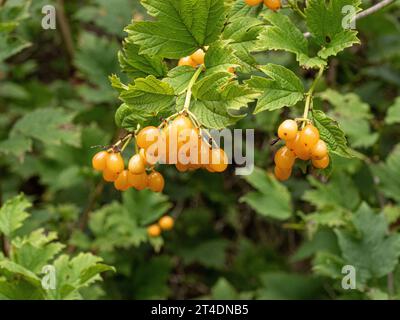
x=302 y=144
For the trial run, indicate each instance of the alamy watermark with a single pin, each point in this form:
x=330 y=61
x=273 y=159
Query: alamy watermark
x=349 y=280
x=49 y=281
x=49 y=21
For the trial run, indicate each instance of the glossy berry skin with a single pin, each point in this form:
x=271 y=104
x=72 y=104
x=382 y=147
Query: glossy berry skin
x=99 y=161
x=273 y=4
x=186 y=61
x=301 y=152
x=284 y=158
x=147 y=136
x=138 y=181
x=218 y=160
x=288 y=130
x=321 y=164
x=115 y=163
x=198 y=57
x=253 y=2
x=319 y=151
x=137 y=164
x=181 y=123
x=109 y=176
x=156 y=182
x=309 y=136
x=154 y=231
x=282 y=174
x=122 y=182
x=166 y=223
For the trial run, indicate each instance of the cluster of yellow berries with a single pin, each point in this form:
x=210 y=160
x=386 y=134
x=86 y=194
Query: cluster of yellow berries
x=303 y=144
x=271 y=4
x=166 y=223
x=179 y=142
x=112 y=165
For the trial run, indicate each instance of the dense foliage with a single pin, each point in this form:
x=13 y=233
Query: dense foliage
x=65 y=93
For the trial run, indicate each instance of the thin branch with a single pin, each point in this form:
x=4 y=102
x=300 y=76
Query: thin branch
x=373 y=9
x=365 y=12
x=65 y=29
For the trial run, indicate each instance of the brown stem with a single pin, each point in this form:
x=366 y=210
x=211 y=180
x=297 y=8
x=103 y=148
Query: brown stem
x=65 y=29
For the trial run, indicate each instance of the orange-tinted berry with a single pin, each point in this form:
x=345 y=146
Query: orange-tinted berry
x=198 y=57
x=302 y=152
x=218 y=160
x=166 y=223
x=273 y=4
x=309 y=136
x=181 y=123
x=291 y=143
x=109 y=176
x=156 y=182
x=186 y=61
x=137 y=164
x=319 y=151
x=282 y=174
x=122 y=182
x=99 y=161
x=138 y=181
x=321 y=164
x=154 y=231
x=147 y=136
x=181 y=167
x=253 y=2
x=288 y=130
x=115 y=162
x=285 y=158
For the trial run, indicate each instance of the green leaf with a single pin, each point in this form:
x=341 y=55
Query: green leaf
x=223 y=290
x=340 y=41
x=181 y=27
x=74 y=274
x=210 y=253
x=324 y=20
x=95 y=59
x=150 y=278
x=215 y=101
x=49 y=125
x=283 y=89
x=140 y=66
x=220 y=58
x=17 y=270
x=353 y=115
x=371 y=251
x=242 y=33
x=393 y=114
x=272 y=198
x=388 y=174
x=331 y=133
x=331 y=195
x=282 y=34
x=145 y=207
x=149 y=95
x=36 y=250
x=286 y=286
x=16 y=145
x=179 y=78
x=13 y=214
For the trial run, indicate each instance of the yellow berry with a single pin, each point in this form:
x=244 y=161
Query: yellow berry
x=166 y=223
